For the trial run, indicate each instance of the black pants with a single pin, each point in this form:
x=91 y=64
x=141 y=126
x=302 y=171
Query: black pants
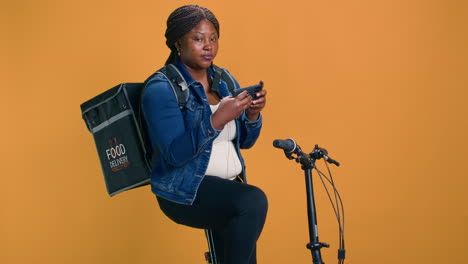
x=234 y=211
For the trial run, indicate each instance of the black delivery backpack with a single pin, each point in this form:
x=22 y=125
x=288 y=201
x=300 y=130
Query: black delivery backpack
x=115 y=120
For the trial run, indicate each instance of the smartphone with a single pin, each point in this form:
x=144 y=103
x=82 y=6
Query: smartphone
x=252 y=90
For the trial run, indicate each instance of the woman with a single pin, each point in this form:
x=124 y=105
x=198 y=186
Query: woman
x=196 y=176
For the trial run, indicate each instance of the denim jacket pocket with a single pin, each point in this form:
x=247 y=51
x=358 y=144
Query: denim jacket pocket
x=193 y=112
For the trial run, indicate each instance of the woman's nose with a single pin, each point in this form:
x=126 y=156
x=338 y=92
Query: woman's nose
x=207 y=45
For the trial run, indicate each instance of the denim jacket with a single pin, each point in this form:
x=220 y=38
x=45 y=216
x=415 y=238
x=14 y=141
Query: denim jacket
x=184 y=138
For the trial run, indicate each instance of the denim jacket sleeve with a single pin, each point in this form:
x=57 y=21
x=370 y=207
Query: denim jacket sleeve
x=167 y=130
x=250 y=131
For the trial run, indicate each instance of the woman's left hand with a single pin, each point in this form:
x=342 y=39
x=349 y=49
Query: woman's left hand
x=256 y=106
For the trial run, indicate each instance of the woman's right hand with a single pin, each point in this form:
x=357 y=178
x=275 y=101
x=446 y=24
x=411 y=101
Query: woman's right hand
x=230 y=108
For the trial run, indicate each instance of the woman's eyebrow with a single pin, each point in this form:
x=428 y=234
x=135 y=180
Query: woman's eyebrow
x=198 y=32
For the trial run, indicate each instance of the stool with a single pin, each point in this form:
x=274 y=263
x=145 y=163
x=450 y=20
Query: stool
x=210 y=256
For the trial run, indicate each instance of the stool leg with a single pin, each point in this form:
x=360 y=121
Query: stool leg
x=210 y=256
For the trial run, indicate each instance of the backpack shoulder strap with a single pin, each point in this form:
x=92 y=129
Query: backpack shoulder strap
x=177 y=82
x=226 y=77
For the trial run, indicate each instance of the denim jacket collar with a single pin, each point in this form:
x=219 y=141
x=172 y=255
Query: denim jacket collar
x=190 y=81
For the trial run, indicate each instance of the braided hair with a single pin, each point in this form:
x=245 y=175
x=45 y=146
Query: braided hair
x=181 y=21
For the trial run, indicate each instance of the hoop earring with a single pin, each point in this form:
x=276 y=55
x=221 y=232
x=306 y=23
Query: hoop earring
x=178 y=52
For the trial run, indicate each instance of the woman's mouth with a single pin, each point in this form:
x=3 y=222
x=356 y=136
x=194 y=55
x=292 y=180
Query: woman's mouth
x=207 y=57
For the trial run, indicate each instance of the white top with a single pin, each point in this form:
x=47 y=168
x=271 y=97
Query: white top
x=224 y=161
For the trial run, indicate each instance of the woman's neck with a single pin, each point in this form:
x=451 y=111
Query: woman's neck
x=198 y=74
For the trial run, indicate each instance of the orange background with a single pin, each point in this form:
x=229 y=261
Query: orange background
x=380 y=84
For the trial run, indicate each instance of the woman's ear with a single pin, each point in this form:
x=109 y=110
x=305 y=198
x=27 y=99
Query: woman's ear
x=177 y=44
